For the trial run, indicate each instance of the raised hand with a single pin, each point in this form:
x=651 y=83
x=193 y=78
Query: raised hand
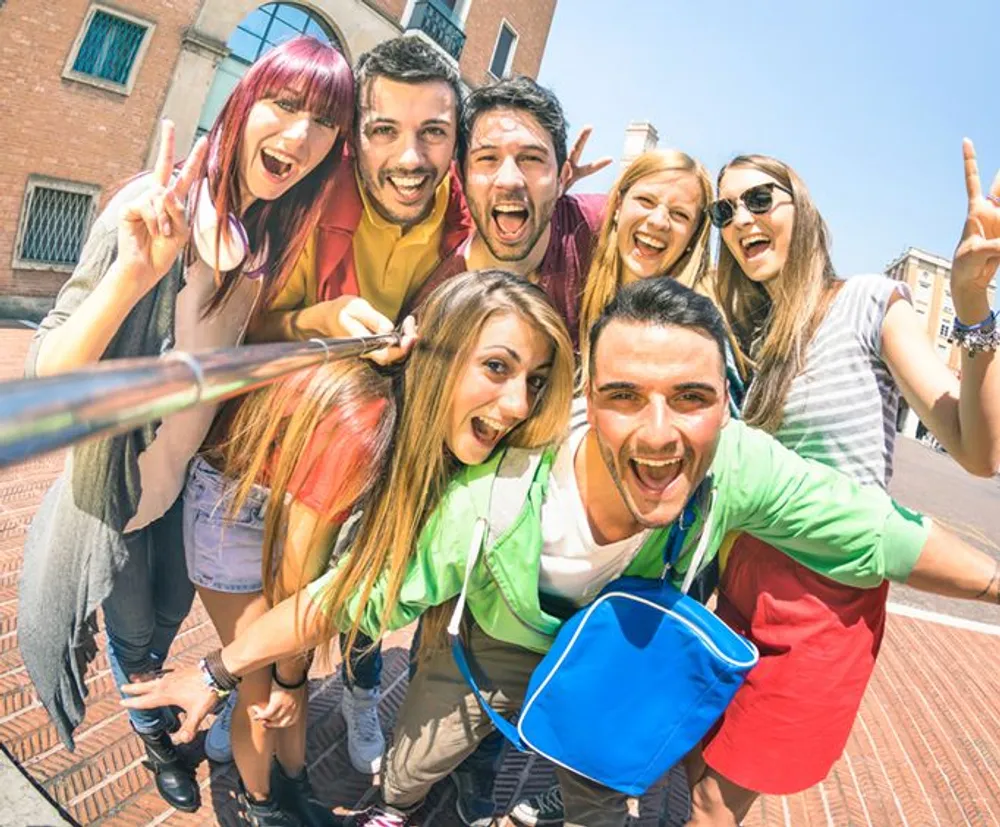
x=573 y=170
x=978 y=252
x=153 y=229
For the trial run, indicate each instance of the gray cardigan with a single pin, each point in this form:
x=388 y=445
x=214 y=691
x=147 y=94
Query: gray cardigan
x=74 y=546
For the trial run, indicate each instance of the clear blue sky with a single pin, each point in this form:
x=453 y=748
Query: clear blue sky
x=867 y=99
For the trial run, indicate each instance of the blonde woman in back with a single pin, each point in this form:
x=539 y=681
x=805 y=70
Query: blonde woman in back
x=832 y=358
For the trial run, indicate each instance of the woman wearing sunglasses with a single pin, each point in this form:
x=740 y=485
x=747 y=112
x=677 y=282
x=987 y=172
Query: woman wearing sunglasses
x=831 y=358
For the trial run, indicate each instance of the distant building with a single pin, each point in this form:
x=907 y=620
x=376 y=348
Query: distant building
x=929 y=279
x=640 y=136
x=86 y=84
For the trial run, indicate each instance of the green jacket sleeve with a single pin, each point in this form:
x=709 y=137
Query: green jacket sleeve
x=855 y=535
x=434 y=574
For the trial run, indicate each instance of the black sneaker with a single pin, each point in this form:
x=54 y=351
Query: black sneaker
x=540 y=810
x=266 y=813
x=474 y=798
x=296 y=795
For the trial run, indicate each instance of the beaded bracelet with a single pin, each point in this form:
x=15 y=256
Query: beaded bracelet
x=988 y=323
x=978 y=337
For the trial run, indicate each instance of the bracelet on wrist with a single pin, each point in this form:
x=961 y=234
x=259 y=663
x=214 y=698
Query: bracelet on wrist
x=215 y=669
x=977 y=339
x=985 y=325
x=284 y=685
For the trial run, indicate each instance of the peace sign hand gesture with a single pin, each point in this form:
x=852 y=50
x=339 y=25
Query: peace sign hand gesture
x=153 y=229
x=978 y=252
x=573 y=170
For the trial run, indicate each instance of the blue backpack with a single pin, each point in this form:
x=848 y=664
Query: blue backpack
x=633 y=681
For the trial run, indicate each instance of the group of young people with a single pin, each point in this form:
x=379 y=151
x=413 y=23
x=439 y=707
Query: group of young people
x=592 y=333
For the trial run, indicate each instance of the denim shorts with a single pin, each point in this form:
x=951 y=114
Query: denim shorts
x=222 y=554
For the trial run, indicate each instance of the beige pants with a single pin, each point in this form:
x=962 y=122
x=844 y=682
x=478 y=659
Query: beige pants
x=441 y=723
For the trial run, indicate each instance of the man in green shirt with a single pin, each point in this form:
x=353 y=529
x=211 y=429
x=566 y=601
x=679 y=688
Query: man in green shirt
x=599 y=505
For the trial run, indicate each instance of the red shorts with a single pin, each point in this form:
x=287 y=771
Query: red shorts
x=818 y=640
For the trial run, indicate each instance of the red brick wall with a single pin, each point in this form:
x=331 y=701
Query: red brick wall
x=69 y=130
x=531 y=19
x=390 y=8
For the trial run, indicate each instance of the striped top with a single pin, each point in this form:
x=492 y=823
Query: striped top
x=841 y=410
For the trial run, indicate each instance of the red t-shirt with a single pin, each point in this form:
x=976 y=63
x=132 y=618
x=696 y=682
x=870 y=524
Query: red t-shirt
x=336 y=451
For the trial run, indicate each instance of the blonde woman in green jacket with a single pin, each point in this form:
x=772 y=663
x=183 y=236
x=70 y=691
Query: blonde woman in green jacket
x=586 y=511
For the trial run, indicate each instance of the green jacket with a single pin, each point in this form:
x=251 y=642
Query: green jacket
x=857 y=536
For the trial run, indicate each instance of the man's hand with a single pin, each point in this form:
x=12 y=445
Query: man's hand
x=573 y=170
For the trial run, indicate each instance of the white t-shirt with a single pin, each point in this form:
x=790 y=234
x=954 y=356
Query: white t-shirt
x=574 y=566
x=163 y=465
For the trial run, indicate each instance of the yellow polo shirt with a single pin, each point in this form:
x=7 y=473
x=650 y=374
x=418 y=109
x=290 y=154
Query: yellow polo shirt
x=392 y=265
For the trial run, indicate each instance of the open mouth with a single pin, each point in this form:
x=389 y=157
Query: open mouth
x=409 y=188
x=511 y=220
x=487 y=431
x=755 y=245
x=276 y=163
x=655 y=475
x=647 y=245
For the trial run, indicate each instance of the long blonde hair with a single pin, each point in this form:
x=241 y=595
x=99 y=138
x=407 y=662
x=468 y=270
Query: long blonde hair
x=606 y=270
x=449 y=323
x=773 y=329
x=272 y=427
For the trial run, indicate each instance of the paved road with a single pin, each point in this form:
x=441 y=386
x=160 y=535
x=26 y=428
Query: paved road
x=935 y=484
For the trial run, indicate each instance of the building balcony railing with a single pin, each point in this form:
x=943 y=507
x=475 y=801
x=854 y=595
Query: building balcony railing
x=437 y=21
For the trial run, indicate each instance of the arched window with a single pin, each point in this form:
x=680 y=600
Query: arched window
x=257 y=33
x=273 y=24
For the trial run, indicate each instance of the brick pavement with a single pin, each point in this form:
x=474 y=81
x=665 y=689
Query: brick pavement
x=925 y=750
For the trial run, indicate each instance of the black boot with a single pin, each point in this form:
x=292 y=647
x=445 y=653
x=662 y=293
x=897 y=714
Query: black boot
x=267 y=813
x=296 y=796
x=174 y=779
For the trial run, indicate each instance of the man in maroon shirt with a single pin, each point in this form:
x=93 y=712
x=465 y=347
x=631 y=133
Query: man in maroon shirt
x=512 y=153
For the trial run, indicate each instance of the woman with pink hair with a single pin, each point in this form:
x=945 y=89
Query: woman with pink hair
x=179 y=258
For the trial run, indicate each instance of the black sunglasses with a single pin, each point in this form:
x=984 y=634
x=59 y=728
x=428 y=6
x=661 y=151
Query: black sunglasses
x=758 y=200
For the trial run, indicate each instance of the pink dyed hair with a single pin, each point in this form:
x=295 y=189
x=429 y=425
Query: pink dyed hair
x=324 y=78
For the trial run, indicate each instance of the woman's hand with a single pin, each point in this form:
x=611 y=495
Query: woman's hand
x=978 y=252
x=153 y=229
x=283 y=707
x=185 y=688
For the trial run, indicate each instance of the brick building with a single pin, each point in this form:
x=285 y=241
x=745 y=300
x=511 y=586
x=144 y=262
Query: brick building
x=929 y=278
x=87 y=81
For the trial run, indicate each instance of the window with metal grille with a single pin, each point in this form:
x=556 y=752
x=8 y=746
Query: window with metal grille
x=109 y=49
x=503 y=52
x=54 y=224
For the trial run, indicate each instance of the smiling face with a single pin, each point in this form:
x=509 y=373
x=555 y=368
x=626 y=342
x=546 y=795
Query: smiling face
x=759 y=243
x=406 y=140
x=657 y=402
x=282 y=143
x=497 y=389
x=657 y=220
x=511 y=182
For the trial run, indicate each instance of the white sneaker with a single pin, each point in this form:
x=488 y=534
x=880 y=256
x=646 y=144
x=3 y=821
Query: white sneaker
x=218 y=744
x=365 y=742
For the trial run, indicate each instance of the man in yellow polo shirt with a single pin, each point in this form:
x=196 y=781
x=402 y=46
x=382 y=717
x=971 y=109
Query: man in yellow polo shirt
x=395 y=212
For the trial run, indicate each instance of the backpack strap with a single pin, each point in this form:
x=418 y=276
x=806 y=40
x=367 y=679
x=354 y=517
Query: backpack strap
x=508 y=491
